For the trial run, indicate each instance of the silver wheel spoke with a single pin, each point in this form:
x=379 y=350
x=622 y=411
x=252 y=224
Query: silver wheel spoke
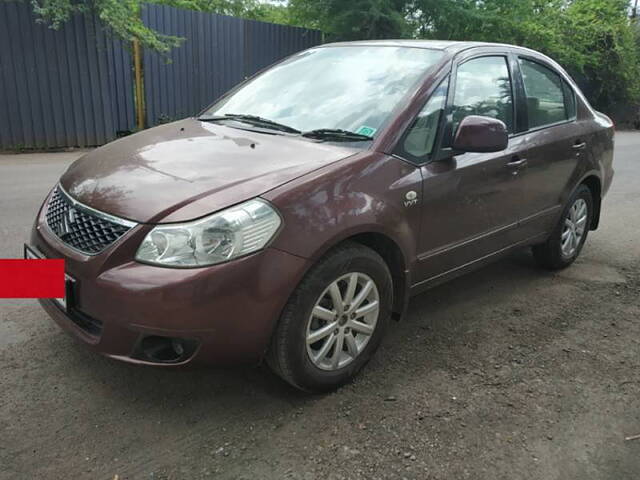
x=351 y=288
x=323 y=313
x=336 y=297
x=368 y=308
x=361 y=327
x=337 y=352
x=321 y=333
x=352 y=347
x=565 y=235
x=362 y=295
x=322 y=353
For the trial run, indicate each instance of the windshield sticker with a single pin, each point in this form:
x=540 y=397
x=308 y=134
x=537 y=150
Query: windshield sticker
x=368 y=131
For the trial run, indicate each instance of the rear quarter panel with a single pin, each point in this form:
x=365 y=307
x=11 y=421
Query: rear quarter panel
x=602 y=135
x=597 y=160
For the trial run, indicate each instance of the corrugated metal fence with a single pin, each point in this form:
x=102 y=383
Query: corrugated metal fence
x=74 y=87
x=219 y=53
x=70 y=87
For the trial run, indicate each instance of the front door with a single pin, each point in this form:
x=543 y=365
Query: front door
x=471 y=201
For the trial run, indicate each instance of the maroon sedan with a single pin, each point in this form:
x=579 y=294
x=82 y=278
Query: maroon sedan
x=293 y=219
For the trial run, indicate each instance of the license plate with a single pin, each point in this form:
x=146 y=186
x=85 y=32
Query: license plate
x=31 y=253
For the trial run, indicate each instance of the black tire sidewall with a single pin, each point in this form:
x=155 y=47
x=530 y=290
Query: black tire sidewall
x=303 y=372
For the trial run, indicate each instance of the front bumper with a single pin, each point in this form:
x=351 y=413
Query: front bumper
x=229 y=310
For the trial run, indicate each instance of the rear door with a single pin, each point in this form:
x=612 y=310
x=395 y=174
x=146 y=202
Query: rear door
x=470 y=201
x=554 y=144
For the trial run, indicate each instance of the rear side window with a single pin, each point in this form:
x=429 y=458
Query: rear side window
x=483 y=87
x=422 y=135
x=546 y=92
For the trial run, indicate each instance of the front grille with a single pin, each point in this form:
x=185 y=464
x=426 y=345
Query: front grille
x=80 y=227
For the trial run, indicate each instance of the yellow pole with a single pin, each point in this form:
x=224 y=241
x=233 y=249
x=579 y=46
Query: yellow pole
x=139 y=84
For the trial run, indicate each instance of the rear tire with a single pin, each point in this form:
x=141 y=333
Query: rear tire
x=349 y=274
x=567 y=239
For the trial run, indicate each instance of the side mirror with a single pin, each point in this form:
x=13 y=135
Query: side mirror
x=480 y=134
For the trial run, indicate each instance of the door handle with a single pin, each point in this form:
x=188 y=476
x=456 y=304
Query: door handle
x=517 y=162
x=579 y=145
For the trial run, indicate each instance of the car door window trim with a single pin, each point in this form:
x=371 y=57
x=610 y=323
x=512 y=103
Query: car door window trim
x=520 y=116
x=401 y=152
x=444 y=149
x=453 y=91
x=566 y=85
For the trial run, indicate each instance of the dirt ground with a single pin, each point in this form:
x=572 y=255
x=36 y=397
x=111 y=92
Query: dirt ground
x=508 y=373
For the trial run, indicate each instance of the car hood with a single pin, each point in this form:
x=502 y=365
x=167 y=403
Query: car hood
x=187 y=169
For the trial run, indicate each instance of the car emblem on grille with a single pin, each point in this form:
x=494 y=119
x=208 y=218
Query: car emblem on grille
x=66 y=224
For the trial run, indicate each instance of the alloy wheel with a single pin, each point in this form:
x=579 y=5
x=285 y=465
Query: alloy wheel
x=342 y=321
x=574 y=228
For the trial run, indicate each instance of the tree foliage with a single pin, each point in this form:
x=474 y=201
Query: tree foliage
x=594 y=39
x=123 y=17
x=352 y=20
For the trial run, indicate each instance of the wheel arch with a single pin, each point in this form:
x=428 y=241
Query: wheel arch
x=594 y=184
x=394 y=257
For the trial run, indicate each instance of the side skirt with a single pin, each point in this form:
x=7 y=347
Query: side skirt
x=474 y=265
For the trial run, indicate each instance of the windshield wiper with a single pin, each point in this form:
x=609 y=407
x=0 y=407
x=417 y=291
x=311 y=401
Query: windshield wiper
x=320 y=133
x=336 y=134
x=252 y=120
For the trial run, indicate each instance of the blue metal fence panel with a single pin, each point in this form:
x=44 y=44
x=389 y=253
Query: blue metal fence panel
x=219 y=52
x=266 y=43
x=60 y=88
x=74 y=87
x=207 y=64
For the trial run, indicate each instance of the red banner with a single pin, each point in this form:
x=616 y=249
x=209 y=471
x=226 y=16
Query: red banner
x=32 y=278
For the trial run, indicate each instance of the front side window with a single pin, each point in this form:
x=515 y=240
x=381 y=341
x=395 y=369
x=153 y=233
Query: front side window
x=353 y=88
x=421 y=137
x=545 y=94
x=483 y=87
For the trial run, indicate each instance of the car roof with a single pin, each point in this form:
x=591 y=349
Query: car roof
x=448 y=45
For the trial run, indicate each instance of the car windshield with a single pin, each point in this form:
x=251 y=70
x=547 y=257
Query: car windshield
x=350 y=88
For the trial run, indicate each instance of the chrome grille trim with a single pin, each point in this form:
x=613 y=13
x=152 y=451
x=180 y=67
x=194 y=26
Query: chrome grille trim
x=84 y=229
x=93 y=211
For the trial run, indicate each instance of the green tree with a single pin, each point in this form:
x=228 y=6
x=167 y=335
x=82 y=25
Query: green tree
x=123 y=18
x=594 y=39
x=352 y=20
x=606 y=47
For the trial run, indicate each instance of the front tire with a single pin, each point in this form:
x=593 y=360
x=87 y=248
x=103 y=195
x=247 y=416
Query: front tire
x=334 y=320
x=566 y=242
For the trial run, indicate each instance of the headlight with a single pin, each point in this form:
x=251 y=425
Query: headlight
x=223 y=236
